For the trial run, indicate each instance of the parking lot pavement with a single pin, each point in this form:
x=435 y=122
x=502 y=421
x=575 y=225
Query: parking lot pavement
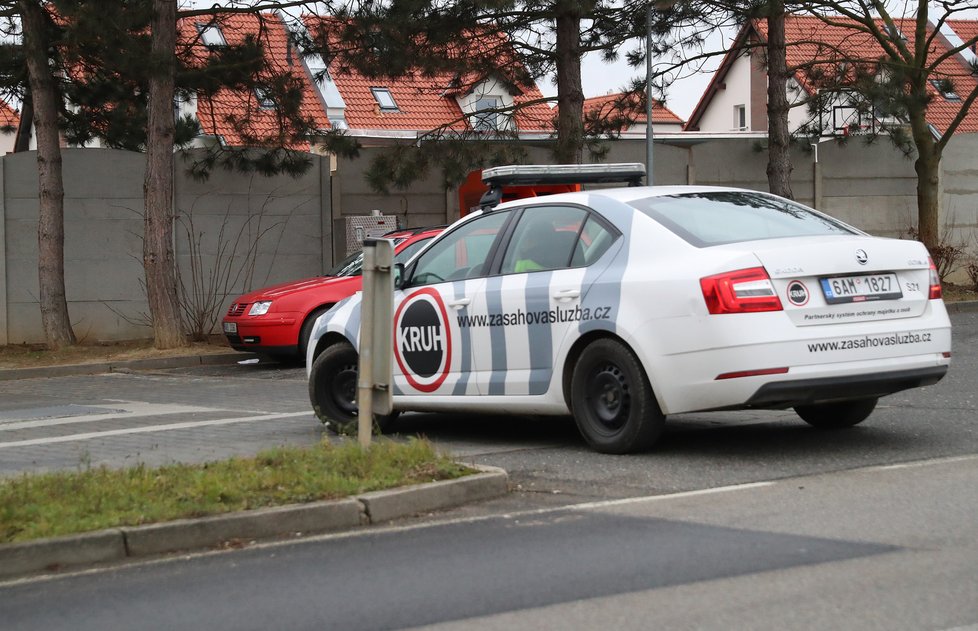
x=205 y=413
x=154 y=418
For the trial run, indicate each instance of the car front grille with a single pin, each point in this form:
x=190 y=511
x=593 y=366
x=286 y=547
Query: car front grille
x=237 y=308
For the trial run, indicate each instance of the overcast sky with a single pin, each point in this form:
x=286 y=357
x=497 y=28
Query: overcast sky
x=601 y=78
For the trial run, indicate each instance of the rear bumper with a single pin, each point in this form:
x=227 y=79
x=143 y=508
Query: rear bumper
x=786 y=394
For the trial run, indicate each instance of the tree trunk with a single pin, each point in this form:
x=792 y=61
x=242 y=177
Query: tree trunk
x=158 y=258
x=779 y=137
x=570 y=93
x=50 y=221
x=928 y=168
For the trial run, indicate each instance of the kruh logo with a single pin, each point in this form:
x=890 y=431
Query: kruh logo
x=423 y=344
x=797 y=293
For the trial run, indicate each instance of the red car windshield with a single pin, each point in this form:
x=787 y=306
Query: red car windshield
x=353 y=264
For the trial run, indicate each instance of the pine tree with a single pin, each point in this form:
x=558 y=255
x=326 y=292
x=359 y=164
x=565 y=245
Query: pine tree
x=541 y=38
x=110 y=70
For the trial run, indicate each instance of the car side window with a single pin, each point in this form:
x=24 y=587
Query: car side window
x=410 y=250
x=546 y=238
x=595 y=241
x=460 y=254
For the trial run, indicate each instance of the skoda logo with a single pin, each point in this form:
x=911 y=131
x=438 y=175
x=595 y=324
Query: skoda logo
x=423 y=346
x=861 y=257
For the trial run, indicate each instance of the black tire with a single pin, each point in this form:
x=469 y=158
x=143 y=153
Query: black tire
x=612 y=400
x=333 y=391
x=837 y=415
x=306 y=331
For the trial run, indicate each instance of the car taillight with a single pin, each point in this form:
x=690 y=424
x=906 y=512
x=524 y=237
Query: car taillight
x=743 y=291
x=935 y=282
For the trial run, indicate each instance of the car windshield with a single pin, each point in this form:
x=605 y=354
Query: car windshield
x=353 y=264
x=718 y=217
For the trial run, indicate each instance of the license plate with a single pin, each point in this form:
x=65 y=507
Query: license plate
x=860 y=288
x=230 y=327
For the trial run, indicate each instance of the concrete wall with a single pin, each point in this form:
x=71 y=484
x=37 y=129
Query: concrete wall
x=959 y=190
x=103 y=221
x=295 y=226
x=284 y=220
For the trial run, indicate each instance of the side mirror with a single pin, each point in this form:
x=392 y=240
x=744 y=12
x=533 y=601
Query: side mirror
x=398 y=275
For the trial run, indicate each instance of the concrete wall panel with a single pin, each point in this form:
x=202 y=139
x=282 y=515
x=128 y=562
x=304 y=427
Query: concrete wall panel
x=299 y=222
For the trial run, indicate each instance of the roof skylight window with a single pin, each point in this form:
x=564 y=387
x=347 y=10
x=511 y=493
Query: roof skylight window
x=211 y=35
x=384 y=98
x=265 y=100
x=945 y=89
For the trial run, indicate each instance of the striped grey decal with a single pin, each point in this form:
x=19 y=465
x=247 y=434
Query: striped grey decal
x=607 y=292
x=465 y=346
x=540 y=334
x=497 y=337
x=352 y=327
x=320 y=330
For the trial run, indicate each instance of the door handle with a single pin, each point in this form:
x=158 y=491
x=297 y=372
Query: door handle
x=567 y=294
x=460 y=303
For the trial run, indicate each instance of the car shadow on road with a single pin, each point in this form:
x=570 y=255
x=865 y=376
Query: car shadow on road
x=753 y=435
x=488 y=429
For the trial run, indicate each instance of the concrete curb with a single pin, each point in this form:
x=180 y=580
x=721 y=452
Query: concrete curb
x=115 y=544
x=97 y=368
x=964 y=306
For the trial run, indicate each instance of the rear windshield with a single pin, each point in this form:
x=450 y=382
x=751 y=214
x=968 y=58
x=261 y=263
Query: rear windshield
x=718 y=217
x=353 y=264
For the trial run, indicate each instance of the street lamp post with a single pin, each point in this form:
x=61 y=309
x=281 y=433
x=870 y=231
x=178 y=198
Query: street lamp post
x=649 y=134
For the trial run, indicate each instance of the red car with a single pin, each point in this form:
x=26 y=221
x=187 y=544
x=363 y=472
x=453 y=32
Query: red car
x=276 y=321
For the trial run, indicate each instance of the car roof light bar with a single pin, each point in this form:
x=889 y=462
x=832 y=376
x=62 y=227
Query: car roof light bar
x=632 y=173
x=528 y=174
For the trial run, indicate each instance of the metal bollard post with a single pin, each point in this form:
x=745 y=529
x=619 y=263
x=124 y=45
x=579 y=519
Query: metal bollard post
x=375 y=371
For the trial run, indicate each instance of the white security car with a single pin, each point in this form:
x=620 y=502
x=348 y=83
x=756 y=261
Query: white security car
x=623 y=305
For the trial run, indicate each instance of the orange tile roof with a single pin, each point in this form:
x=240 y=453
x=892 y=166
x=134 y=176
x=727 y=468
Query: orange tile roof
x=967 y=30
x=236 y=115
x=810 y=39
x=9 y=117
x=424 y=101
x=605 y=105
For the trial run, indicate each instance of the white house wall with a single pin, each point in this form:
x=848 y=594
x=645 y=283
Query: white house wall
x=797 y=115
x=488 y=88
x=7 y=140
x=719 y=115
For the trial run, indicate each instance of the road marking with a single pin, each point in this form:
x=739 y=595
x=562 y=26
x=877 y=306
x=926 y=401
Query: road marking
x=129 y=409
x=150 y=428
x=916 y=463
x=671 y=496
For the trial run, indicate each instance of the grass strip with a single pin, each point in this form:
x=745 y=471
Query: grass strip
x=46 y=505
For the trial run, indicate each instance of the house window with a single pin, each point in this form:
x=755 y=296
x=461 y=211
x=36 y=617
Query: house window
x=211 y=35
x=945 y=89
x=384 y=99
x=265 y=100
x=740 y=117
x=486 y=118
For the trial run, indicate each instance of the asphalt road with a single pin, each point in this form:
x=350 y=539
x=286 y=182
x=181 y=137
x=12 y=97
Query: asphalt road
x=879 y=548
x=735 y=520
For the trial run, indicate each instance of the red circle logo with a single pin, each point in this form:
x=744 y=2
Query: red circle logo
x=797 y=293
x=423 y=340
